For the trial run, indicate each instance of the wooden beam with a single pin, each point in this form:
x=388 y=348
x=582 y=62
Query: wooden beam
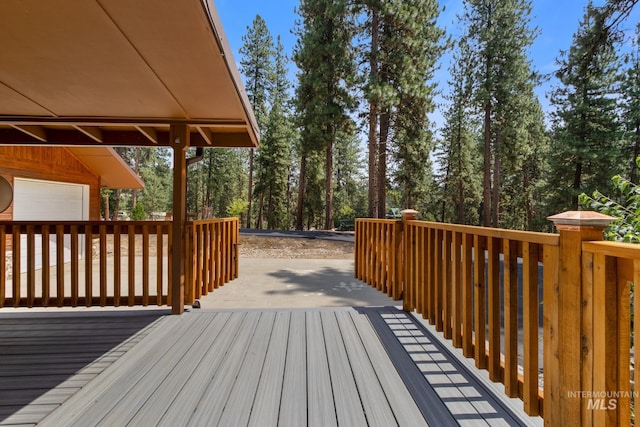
x=179 y=138
x=205 y=133
x=119 y=121
x=36 y=132
x=149 y=132
x=92 y=132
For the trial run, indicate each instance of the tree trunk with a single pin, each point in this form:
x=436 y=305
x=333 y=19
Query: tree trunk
x=373 y=119
x=250 y=188
x=328 y=207
x=381 y=179
x=116 y=205
x=486 y=188
x=301 y=187
x=495 y=190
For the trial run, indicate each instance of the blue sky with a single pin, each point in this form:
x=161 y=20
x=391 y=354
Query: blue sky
x=556 y=20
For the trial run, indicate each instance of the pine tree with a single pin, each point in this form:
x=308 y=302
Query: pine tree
x=404 y=45
x=459 y=150
x=586 y=147
x=324 y=55
x=274 y=159
x=257 y=67
x=630 y=89
x=499 y=36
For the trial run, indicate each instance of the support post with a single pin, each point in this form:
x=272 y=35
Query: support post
x=574 y=302
x=179 y=138
x=408 y=294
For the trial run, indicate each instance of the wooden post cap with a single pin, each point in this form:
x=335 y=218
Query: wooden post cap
x=409 y=214
x=581 y=219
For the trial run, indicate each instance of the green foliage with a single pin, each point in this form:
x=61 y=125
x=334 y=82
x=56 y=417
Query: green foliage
x=324 y=54
x=138 y=213
x=499 y=35
x=625 y=207
x=586 y=147
x=237 y=208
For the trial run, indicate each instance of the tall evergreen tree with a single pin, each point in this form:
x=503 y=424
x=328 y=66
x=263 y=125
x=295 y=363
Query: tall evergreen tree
x=499 y=36
x=459 y=150
x=274 y=159
x=586 y=147
x=404 y=45
x=630 y=88
x=257 y=67
x=324 y=55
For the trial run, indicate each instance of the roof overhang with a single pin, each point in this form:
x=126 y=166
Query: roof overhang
x=119 y=72
x=109 y=166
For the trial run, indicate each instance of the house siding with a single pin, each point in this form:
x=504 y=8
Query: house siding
x=51 y=164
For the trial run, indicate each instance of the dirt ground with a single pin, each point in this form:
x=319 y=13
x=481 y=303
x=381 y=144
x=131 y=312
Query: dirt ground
x=289 y=247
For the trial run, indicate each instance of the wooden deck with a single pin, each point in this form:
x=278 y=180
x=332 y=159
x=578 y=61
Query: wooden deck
x=324 y=367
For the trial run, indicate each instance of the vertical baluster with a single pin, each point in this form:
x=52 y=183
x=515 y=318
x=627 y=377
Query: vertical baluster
x=75 y=255
x=530 y=315
x=479 y=302
x=102 y=231
x=159 y=263
x=456 y=289
x=511 y=317
x=46 y=266
x=60 y=265
x=493 y=286
x=31 y=265
x=117 y=266
x=145 y=264
x=131 y=257
x=446 y=283
x=467 y=295
x=15 y=269
x=438 y=285
x=88 y=273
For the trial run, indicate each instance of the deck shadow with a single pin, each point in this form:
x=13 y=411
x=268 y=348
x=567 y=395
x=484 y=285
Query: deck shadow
x=47 y=357
x=444 y=390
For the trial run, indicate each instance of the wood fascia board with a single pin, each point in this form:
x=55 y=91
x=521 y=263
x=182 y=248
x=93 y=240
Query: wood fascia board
x=118 y=121
x=33 y=131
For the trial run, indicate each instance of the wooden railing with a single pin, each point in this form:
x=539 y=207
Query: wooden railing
x=565 y=295
x=212 y=255
x=89 y=263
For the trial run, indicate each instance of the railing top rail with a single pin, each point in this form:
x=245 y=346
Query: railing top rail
x=615 y=249
x=522 y=236
x=379 y=220
x=212 y=220
x=51 y=226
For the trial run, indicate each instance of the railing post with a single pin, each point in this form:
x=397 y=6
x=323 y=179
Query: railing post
x=569 y=354
x=407 y=292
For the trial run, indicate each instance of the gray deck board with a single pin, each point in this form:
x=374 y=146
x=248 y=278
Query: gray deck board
x=349 y=411
x=343 y=367
x=293 y=408
x=320 y=404
x=214 y=399
x=266 y=405
x=238 y=407
x=189 y=397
